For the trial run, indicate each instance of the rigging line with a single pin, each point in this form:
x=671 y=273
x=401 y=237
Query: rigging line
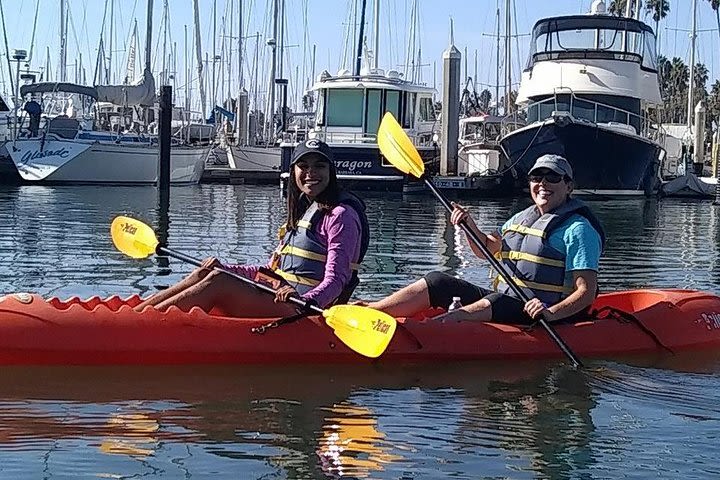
x=131 y=27
x=7 y=52
x=32 y=39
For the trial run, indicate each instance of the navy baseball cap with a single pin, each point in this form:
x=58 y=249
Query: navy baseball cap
x=556 y=163
x=309 y=146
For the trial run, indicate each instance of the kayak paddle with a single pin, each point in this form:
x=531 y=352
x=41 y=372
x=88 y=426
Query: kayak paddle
x=363 y=329
x=399 y=150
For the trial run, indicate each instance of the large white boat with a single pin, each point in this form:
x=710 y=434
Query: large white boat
x=348 y=114
x=75 y=144
x=585 y=91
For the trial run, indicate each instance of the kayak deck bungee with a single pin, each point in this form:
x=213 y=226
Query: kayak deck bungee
x=95 y=331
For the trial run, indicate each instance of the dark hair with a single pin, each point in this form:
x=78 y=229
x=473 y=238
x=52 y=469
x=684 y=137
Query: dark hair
x=297 y=202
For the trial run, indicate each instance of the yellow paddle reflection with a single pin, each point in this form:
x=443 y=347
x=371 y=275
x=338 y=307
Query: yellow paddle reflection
x=351 y=444
x=135 y=437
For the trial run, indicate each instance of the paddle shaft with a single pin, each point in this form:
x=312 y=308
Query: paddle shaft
x=307 y=306
x=504 y=274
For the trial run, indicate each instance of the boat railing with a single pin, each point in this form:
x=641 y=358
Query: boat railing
x=565 y=100
x=420 y=139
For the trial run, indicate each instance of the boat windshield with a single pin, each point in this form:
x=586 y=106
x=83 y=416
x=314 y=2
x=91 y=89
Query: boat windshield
x=594 y=37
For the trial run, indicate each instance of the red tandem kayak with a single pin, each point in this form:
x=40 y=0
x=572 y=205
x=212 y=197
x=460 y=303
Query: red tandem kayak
x=36 y=331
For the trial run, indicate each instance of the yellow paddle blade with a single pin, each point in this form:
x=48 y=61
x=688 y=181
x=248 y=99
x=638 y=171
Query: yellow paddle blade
x=133 y=237
x=397 y=147
x=365 y=330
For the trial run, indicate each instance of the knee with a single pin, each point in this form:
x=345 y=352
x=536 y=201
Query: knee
x=435 y=278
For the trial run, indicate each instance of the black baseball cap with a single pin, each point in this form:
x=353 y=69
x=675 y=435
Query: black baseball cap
x=309 y=146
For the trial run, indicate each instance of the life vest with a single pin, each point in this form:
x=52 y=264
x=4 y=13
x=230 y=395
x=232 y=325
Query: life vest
x=302 y=253
x=529 y=258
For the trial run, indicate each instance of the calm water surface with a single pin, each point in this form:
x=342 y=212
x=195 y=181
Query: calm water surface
x=640 y=418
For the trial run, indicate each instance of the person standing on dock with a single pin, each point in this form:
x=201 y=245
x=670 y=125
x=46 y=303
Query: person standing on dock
x=325 y=237
x=552 y=250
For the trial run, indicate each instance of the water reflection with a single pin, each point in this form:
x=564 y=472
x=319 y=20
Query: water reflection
x=352 y=444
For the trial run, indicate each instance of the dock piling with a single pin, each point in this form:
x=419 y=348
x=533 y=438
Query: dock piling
x=450 y=109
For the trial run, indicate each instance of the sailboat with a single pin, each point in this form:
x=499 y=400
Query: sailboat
x=76 y=144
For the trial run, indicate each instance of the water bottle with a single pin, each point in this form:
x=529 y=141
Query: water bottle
x=455 y=304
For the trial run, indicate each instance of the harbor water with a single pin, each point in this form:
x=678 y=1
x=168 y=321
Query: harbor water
x=637 y=418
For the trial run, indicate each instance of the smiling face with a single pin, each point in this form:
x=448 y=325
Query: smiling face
x=312 y=174
x=548 y=189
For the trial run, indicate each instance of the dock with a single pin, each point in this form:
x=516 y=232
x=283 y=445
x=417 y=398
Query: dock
x=235 y=176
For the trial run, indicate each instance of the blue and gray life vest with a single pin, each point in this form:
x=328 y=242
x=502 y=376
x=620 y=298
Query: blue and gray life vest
x=303 y=252
x=528 y=256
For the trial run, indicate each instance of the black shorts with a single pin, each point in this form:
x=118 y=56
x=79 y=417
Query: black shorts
x=505 y=308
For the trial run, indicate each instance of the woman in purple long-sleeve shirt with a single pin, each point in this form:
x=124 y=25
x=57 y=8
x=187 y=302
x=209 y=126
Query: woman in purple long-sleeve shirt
x=324 y=240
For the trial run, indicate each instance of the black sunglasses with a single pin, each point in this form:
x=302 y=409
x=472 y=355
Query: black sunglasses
x=549 y=177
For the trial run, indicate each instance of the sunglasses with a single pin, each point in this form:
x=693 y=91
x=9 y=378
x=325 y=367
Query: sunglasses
x=548 y=177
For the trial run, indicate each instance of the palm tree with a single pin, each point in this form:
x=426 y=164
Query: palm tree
x=715 y=4
x=659 y=10
x=678 y=89
x=617 y=7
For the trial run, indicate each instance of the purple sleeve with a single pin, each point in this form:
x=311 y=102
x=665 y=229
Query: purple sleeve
x=342 y=229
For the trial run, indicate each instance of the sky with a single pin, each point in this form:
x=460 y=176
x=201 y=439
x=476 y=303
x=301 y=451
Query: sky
x=320 y=23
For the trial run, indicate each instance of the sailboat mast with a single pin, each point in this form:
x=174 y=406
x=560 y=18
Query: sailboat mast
x=63 y=53
x=109 y=72
x=148 y=35
x=691 y=86
x=376 y=31
x=282 y=40
x=213 y=94
x=241 y=78
x=198 y=55
x=358 y=58
x=508 y=69
x=273 y=65
x=497 y=61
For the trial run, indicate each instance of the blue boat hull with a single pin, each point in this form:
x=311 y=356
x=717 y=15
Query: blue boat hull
x=603 y=160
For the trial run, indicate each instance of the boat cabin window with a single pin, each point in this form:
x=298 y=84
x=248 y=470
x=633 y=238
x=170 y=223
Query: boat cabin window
x=344 y=107
x=373 y=111
x=583 y=37
x=409 y=117
x=427 y=112
x=392 y=103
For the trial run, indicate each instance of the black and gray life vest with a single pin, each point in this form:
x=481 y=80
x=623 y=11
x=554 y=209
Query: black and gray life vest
x=303 y=253
x=528 y=256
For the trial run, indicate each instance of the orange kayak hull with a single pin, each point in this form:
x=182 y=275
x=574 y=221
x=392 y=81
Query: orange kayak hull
x=38 y=331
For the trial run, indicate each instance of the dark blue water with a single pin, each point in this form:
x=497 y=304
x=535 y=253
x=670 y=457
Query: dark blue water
x=645 y=418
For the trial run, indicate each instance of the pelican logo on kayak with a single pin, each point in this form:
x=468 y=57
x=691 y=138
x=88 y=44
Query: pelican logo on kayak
x=129 y=228
x=38 y=154
x=711 y=320
x=381 y=326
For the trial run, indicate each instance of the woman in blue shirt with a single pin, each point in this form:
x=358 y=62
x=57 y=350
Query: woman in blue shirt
x=551 y=249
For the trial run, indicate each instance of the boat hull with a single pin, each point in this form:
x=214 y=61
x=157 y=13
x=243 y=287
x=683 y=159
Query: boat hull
x=604 y=160
x=62 y=161
x=361 y=166
x=36 y=331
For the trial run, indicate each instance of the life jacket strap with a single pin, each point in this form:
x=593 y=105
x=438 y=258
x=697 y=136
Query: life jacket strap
x=538 y=286
x=527 y=230
x=297 y=279
x=515 y=255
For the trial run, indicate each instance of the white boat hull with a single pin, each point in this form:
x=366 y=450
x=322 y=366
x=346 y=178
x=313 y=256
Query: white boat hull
x=56 y=160
x=254 y=159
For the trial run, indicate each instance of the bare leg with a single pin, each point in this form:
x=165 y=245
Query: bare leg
x=405 y=302
x=196 y=276
x=228 y=296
